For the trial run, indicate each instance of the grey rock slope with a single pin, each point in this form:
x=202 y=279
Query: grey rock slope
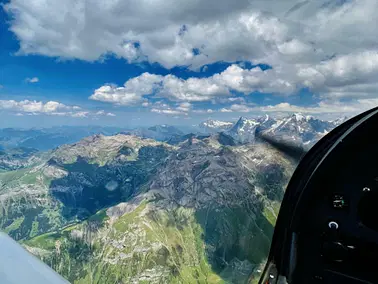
x=122 y=209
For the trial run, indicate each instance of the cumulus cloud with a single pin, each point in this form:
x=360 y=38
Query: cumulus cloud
x=192 y=89
x=323 y=107
x=48 y=108
x=234 y=78
x=225 y=110
x=102 y=113
x=132 y=91
x=74 y=29
x=347 y=76
x=327 y=46
x=184 y=107
x=167 y=111
x=181 y=32
x=168 y=86
x=203 y=111
x=178 y=109
x=32 y=80
x=34 y=106
x=241 y=108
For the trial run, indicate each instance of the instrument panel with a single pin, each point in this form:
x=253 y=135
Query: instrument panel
x=337 y=230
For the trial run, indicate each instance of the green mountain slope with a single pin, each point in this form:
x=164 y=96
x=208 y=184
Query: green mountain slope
x=126 y=210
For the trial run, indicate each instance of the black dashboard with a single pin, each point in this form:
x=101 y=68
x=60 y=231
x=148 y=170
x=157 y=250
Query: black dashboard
x=335 y=228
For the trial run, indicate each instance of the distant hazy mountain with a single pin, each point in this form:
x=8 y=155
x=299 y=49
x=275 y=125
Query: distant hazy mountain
x=158 y=132
x=49 y=138
x=214 y=126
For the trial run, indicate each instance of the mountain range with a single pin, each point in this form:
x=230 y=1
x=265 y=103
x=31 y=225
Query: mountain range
x=48 y=138
x=179 y=208
x=296 y=128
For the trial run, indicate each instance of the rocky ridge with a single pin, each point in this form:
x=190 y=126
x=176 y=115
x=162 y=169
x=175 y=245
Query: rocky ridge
x=126 y=209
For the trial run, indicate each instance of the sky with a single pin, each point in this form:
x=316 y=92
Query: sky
x=145 y=62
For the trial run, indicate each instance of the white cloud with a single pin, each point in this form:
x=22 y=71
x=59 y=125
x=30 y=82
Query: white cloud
x=351 y=75
x=192 y=89
x=246 y=30
x=225 y=110
x=249 y=80
x=184 y=107
x=75 y=29
x=80 y=114
x=34 y=106
x=180 y=109
x=202 y=111
x=32 y=80
x=323 y=107
x=234 y=78
x=166 y=111
x=240 y=108
x=327 y=46
x=103 y=113
x=350 y=70
x=49 y=108
x=131 y=93
x=100 y=112
x=168 y=86
x=232 y=100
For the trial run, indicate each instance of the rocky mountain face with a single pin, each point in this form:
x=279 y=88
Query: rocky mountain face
x=305 y=130
x=122 y=209
x=17 y=158
x=296 y=128
x=64 y=188
x=244 y=130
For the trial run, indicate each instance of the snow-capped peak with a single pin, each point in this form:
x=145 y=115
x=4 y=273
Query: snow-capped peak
x=295 y=126
x=243 y=121
x=244 y=129
x=299 y=116
x=214 y=126
x=339 y=120
x=216 y=123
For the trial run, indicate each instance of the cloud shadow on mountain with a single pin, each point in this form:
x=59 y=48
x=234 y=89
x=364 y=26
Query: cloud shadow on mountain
x=237 y=239
x=89 y=187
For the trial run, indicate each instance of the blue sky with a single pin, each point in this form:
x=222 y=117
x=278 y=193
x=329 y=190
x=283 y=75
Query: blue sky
x=128 y=63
